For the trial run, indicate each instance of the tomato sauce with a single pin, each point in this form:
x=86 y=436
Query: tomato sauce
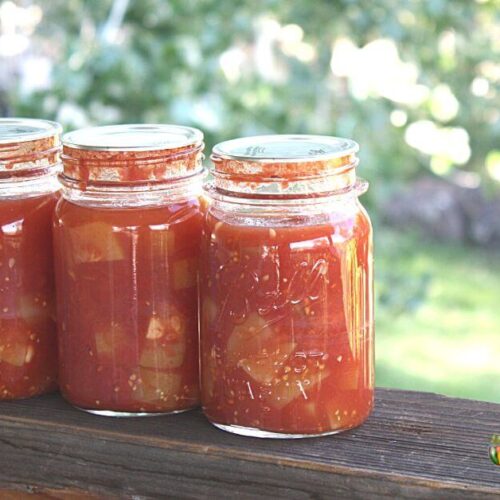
x=127 y=286
x=28 y=194
x=127 y=276
x=28 y=363
x=286 y=314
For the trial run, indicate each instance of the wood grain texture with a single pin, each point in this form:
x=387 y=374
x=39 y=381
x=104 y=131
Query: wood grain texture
x=415 y=445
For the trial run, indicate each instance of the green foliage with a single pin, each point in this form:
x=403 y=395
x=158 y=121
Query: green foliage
x=447 y=339
x=164 y=66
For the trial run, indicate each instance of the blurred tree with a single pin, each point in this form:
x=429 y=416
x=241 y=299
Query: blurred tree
x=416 y=83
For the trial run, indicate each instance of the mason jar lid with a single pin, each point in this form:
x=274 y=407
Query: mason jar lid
x=15 y=130
x=285 y=148
x=137 y=137
x=139 y=153
x=28 y=147
x=288 y=165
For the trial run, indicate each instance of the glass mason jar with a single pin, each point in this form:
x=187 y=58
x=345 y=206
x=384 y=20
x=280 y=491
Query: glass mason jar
x=286 y=289
x=29 y=162
x=127 y=237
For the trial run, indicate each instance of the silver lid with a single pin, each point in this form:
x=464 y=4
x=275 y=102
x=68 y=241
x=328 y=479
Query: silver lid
x=139 y=137
x=285 y=148
x=26 y=129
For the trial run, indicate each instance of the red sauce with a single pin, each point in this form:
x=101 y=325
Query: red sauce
x=286 y=341
x=127 y=306
x=28 y=350
x=132 y=167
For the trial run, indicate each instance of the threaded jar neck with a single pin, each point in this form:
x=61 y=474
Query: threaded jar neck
x=29 y=149
x=285 y=166
x=114 y=157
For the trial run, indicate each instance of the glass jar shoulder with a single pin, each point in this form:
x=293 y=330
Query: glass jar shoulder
x=69 y=213
x=19 y=209
x=338 y=223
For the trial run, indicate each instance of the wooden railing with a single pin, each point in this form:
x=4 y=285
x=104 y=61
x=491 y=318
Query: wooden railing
x=414 y=445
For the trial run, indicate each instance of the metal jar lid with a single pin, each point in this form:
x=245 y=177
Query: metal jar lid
x=138 y=153
x=28 y=145
x=268 y=165
x=285 y=148
x=137 y=137
x=15 y=130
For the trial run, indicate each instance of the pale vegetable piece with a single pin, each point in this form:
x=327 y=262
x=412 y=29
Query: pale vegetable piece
x=296 y=385
x=162 y=357
x=173 y=325
x=177 y=324
x=95 y=242
x=248 y=339
x=185 y=272
x=156 y=328
x=157 y=386
x=109 y=339
x=15 y=352
x=165 y=345
x=16 y=347
x=34 y=309
x=267 y=366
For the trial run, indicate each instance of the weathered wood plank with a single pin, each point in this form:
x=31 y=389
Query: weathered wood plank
x=415 y=445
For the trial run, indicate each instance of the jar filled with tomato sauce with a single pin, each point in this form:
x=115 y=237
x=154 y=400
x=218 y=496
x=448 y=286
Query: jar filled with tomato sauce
x=286 y=289
x=29 y=162
x=127 y=237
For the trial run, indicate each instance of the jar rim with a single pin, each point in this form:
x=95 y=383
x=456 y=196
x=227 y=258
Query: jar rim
x=294 y=165
x=132 y=153
x=133 y=137
x=17 y=130
x=284 y=148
